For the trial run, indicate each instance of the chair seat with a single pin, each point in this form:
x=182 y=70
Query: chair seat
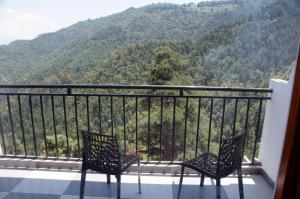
x=112 y=168
x=205 y=163
x=127 y=161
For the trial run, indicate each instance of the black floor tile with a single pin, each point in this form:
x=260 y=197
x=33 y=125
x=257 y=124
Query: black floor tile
x=7 y=184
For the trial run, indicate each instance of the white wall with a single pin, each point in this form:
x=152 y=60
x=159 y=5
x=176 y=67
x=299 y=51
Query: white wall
x=275 y=123
x=1 y=153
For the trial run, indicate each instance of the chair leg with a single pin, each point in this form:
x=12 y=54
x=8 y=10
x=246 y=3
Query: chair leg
x=241 y=187
x=82 y=183
x=218 y=188
x=118 y=186
x=202 y=180
x=180 y=182
x=139 y=176
x=108 y=179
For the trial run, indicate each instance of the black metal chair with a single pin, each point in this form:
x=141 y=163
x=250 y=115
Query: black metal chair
x=217 y=167
x=101 y=154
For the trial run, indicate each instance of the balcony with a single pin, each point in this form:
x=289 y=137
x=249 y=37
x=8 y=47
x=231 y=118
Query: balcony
x=40 y=142
x=65 y=184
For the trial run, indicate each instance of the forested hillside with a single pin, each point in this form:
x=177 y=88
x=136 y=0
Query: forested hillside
x=218 y=43
x=224 y=43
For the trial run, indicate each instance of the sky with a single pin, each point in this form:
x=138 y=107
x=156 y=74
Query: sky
x=26 y=19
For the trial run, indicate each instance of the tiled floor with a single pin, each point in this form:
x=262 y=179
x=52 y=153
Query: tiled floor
x=44 y=184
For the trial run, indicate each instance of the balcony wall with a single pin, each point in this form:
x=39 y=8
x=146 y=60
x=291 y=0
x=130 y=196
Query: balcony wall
x=275 y=122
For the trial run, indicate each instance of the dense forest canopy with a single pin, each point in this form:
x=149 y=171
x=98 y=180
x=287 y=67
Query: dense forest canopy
x=224 y=43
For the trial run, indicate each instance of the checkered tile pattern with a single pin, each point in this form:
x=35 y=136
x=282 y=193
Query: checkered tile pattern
x=37 y=184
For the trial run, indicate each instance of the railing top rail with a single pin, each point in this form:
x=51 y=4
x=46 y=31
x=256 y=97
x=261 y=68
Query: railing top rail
x=137 y=87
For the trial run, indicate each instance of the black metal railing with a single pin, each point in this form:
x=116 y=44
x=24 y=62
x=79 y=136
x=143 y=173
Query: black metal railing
x=161 y=123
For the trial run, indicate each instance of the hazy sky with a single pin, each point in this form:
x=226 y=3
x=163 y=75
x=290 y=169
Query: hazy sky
x=25 y=19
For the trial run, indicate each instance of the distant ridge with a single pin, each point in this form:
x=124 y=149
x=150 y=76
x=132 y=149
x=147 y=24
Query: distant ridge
x=225 y=43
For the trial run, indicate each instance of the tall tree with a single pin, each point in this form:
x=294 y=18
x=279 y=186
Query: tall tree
x=166 y=70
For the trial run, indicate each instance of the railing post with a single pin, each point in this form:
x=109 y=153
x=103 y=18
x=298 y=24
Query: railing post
x=3 y=139
x=181 y=92
x=1 y=153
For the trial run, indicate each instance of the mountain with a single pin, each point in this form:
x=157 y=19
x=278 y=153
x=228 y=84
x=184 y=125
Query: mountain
x=224 y=43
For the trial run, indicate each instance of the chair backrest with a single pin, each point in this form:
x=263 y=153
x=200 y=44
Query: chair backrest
x=100 y=152
x=230 y=155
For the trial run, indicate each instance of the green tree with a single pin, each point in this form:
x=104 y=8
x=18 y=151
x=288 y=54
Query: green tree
x=166 y=70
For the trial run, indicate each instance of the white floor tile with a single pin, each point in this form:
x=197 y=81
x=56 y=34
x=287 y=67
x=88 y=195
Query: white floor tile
x=53 y=175
x=14 y=173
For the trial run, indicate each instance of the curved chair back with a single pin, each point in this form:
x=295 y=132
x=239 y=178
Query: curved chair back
x=100 y=152
x=230 y=156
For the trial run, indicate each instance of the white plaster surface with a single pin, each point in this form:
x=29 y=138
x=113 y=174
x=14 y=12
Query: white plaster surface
x=276 y=116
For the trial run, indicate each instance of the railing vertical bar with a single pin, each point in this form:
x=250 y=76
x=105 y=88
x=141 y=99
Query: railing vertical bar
x=76 y=124
x=99 y=115
x=22 y=125
x=148 y=132
x=257 y=130
x=185 y=126
x=234 y=117
x=88 y=112
x=112 y=115
x=136 y=125
x=161 y=128
x=66 y=126
x=33 y=126
x=12 y=128
x=124 y=125
x=54 y=124
x=210 y=121
x=173 y=130
x=222 y=122
x=43 y=125
x=246 y=126
x=198 y=126
x=2 y=136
